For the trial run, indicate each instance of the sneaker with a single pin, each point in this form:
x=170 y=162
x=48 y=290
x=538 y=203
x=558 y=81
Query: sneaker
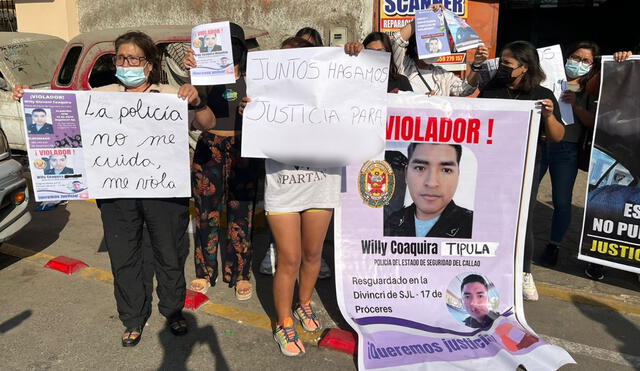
x=529 y=291
x=325 y=271
x=594 y=271
x=307 y=317
x=287 y=339
x=549 y=257
x=268 y=264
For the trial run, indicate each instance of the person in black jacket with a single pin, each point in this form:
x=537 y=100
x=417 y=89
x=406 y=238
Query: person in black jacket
x=58 y=165
x=432 y=177
x=40 y=124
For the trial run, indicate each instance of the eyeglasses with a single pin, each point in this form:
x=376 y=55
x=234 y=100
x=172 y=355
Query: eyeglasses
x=576 y=58
x=118 y=60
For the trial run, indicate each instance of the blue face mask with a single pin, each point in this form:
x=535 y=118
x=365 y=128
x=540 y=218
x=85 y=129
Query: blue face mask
x=131 y=76
x=576 y=69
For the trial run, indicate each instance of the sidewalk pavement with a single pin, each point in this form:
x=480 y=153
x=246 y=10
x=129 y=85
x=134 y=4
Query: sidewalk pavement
x=75 y=230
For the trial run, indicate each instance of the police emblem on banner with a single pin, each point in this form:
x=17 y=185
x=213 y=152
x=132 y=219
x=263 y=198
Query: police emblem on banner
x=376 y=183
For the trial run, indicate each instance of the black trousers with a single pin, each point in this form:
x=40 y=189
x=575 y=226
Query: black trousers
x=167 y=220
x=529 y=244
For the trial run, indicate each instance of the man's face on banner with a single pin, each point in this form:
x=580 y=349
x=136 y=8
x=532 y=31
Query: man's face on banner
x=476 y=300
x=39 y=118
x=434 y=46
x=210 y=41
x=432 y=178
x=58 y=162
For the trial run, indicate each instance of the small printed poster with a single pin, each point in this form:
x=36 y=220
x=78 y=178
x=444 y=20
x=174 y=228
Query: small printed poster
x=211 y=44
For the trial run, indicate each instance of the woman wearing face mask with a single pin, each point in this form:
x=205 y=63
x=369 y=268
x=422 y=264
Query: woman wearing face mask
x=138 y=68
x=518 y=77
x=561 y=158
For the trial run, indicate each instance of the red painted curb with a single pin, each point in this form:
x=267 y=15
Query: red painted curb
x=65 y=264
x=340 y=340
x=194 y=300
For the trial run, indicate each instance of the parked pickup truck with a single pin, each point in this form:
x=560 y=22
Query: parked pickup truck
x=14 y=194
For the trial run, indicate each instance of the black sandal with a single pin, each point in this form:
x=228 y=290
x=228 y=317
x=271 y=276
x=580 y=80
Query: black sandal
x=130 y=341
x=178 y=325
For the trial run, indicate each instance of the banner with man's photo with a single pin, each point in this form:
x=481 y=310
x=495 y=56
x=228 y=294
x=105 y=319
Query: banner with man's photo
x=90 y=144
x=611 y=229
x=430 y=239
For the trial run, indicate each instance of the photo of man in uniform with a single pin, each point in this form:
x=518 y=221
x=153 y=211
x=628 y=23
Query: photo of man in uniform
x=434 y=45
x=40 y=124
x=58 y=165
x=475 y=297
x=210 y=44
x=432 y=175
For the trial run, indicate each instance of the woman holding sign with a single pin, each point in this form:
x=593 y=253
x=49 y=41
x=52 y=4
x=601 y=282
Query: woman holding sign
x=427 y=78
x=137 y=62
x=518 y=77
x=299 y=203
x=561 y=159
x=223 y=181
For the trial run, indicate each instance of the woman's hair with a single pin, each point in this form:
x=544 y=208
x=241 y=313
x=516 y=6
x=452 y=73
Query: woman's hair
x=315 y=35
x=525 y=53
x=595 y=52
x=148 y=47
x=386 y=41
x=295 y=42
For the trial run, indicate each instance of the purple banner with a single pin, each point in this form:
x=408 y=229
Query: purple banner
x=427 y=262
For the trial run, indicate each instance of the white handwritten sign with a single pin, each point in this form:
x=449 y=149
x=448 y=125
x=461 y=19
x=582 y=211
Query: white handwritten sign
x=315 y=105
x=552 y=64
x=132 y=145
x=135 y=145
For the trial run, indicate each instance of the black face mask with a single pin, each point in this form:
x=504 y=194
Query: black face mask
x=503 y=75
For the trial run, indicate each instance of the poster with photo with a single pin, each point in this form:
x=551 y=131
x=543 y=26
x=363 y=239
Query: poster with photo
x=430 y=239
x=463 y=36
x=612 y=209
x=211 y=44
x=106 y=144
x=431 y=34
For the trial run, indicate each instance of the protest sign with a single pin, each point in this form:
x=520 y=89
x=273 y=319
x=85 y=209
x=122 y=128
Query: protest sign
x=463 y=36
x=450 y=300
x=431 y=34
x=611 y=229
x=395 y=14
x=552 y=64
x=211 y=44
x=106 y=145
x=315 y=105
